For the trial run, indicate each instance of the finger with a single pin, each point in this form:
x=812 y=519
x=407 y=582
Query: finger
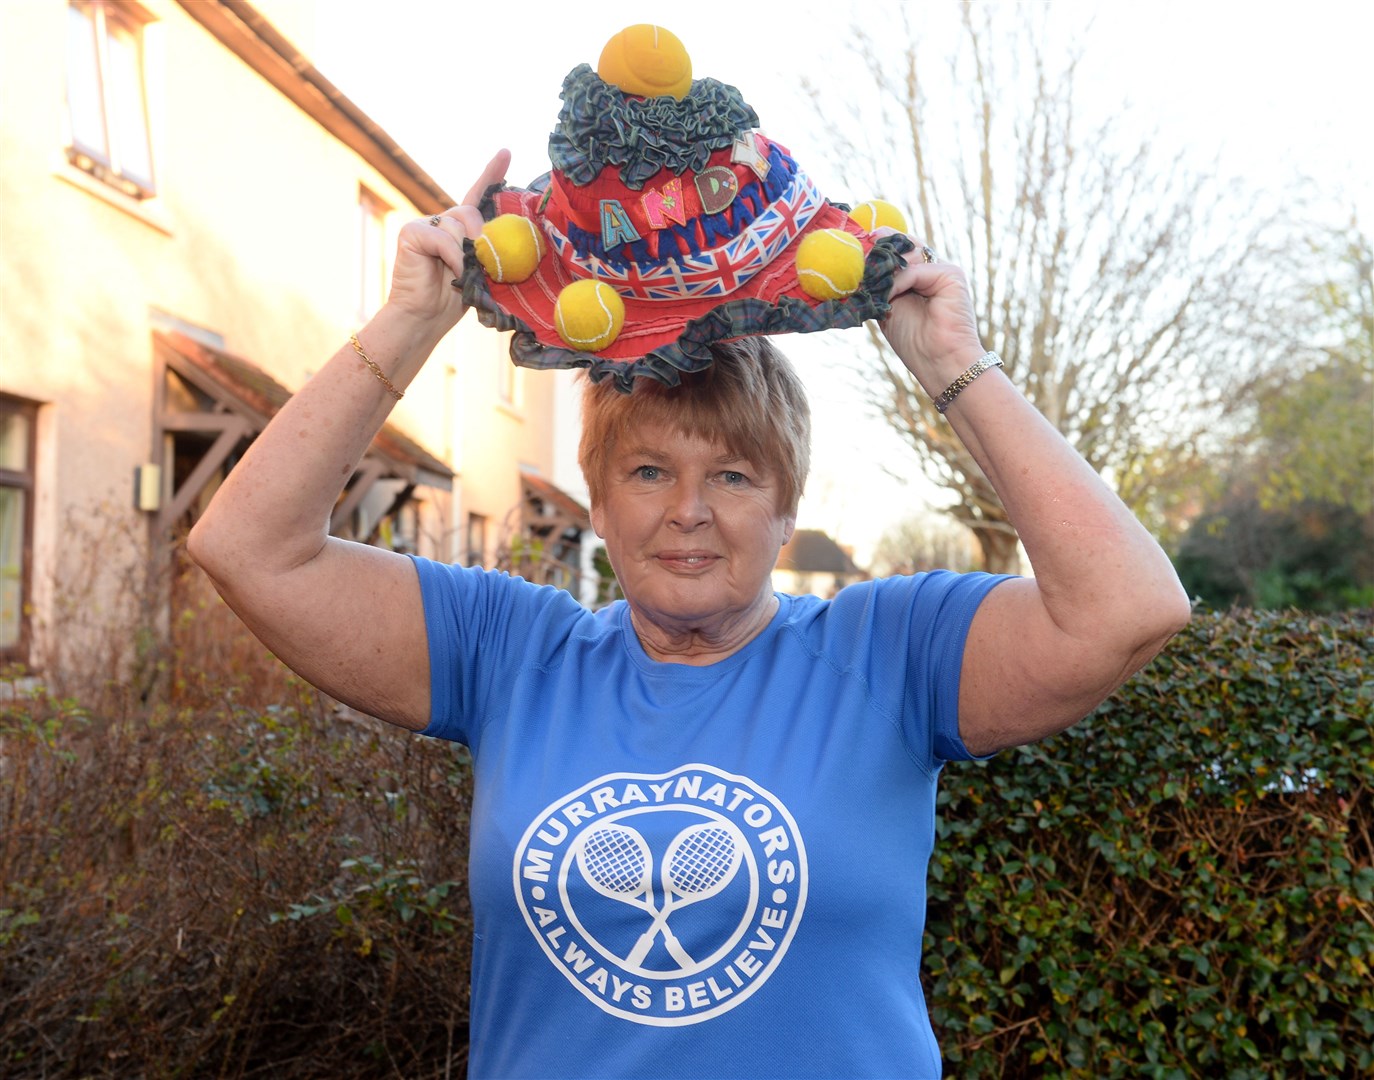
x=916 y=276
x=451 y=252
x=904 y=280
x=914 y=271
x=929 y=277
x=924 y=254
x=470 y=219
x=439 y=237
x=494 y=173
x=459 y=221
x=454 y=222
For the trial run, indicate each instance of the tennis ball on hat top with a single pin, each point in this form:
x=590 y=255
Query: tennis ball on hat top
x=646 y=60
x=876 y=214
x=589 y=315
x=509 y=248
x=830 y=264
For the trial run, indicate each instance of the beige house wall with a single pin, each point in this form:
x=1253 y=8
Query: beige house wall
x=520 y=427
x=253 y=238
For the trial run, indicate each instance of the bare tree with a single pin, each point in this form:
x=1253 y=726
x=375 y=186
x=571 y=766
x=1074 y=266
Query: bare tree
x=922 y=542
x=1125 y=293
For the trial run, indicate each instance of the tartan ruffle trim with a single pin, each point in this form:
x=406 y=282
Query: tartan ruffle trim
x=600 y=125
x=745 y=317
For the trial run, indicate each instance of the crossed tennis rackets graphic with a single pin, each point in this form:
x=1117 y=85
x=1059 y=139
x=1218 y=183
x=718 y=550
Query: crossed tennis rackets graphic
x=698 y=863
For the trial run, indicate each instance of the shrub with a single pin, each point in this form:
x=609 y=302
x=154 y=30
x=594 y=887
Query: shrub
x=1180 y=886
x=222 y=883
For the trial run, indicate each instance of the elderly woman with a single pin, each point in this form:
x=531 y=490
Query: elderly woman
x=703 y=815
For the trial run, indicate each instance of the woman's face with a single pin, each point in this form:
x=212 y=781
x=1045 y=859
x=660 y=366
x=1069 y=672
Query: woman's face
x=691 y=530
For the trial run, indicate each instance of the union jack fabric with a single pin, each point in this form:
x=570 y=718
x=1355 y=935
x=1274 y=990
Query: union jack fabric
x=714 y=273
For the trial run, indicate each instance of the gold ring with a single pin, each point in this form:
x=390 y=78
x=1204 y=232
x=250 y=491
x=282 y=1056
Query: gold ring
x=927 y=254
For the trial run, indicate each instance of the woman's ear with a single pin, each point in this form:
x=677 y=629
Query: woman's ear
x=598 y=519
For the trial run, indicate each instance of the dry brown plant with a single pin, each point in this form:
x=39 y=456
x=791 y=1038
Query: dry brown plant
x=208 y=869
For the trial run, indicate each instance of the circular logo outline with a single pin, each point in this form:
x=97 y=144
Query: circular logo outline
x=695 y=992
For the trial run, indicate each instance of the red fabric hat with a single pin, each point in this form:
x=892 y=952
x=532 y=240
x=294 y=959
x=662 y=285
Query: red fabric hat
x=689 y=214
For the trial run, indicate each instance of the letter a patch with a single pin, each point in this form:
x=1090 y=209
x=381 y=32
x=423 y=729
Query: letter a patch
x=616 y=226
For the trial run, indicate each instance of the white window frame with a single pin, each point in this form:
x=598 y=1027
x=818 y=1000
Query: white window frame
x=126 y=143
x=21 y=481
x=373 y=252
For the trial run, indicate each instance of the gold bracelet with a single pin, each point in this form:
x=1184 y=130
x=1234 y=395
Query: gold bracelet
x=358 y=348
x=959 y=385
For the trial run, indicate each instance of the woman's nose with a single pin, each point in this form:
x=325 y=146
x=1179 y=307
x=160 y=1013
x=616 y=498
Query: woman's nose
x=689 y=508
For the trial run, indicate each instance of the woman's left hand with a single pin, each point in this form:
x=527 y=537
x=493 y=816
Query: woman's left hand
x=429 y=255
x=932 y=327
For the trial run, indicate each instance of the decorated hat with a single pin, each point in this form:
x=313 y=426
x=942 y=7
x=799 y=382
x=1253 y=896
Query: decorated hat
x=667 y=223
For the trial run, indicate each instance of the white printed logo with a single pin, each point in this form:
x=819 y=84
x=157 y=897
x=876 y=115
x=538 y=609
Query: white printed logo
x=666 y=899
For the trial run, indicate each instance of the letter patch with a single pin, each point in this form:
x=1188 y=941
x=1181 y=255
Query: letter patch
x=616 y=226
x=746 y=152
x=717 y=187
x=664 y=204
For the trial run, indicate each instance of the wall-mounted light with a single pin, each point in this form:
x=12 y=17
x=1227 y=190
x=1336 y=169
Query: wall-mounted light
x=148 y=488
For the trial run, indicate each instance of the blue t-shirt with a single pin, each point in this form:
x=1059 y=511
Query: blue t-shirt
x=699 y=872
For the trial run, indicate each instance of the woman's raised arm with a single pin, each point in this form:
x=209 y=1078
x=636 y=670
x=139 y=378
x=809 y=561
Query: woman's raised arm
x=1042 y=651
x=347 y=617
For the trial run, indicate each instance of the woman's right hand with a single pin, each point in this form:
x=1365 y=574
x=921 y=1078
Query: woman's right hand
x=932 y=326
x=429 y=255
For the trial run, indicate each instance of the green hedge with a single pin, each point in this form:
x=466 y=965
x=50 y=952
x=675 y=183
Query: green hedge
x=1179 y=886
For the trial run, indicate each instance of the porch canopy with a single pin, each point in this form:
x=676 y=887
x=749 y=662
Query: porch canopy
x=210 y=405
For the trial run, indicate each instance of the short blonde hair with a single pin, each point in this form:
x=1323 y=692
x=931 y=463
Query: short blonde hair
x=749 y=399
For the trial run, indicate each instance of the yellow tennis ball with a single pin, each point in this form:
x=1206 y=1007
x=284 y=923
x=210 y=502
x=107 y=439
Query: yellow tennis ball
x=509 y=248
x=830 y=264
x=876 y=214
x=646 y=60
x=589 y=315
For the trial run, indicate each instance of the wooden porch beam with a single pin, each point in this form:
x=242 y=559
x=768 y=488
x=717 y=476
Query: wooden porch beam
x=370 y=470
x=200 y=421
x=194 y=484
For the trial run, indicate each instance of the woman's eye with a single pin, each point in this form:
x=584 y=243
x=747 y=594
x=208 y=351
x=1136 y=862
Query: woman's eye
x=648 y=472
x=731 y=477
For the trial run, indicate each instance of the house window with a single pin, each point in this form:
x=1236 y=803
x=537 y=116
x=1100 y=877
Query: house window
x=372 y=250
x=107 y=102
x=17 y=426
x=510 y=384
x=477 y=539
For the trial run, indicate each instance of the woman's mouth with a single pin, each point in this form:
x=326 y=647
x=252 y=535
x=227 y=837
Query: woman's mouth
x=689 y=559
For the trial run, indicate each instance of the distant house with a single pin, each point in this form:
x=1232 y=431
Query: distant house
x=192 y=220
x=811 y=562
